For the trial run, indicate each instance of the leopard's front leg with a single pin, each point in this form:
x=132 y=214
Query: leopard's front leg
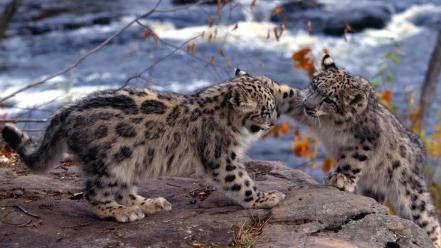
x=229 y=175
x=350 y=165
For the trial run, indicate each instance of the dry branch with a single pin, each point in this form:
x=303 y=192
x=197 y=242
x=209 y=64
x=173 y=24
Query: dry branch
x=26 y=211
x=94 y=50
x=7 y=15
x=23 y=120
x=172 y=46
x=82 y=58
x=428 y=89
x=139 y=75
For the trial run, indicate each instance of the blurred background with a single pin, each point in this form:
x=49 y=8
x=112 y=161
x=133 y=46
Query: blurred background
x=186 y=45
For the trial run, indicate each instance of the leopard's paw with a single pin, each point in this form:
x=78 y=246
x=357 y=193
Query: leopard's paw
x=154 y=205
x=340 y=181
x=268 y=199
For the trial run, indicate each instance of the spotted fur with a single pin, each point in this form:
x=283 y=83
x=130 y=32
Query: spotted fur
x=371 y=146
x=124 y=136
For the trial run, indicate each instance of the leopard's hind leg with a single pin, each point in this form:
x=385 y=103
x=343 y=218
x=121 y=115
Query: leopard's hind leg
x=102 y=192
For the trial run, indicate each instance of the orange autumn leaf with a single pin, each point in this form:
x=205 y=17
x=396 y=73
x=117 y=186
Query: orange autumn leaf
x=277 y=130
x=306 y=147
x=301 y=148
x=313 y=165
x=437 y=132
x=191 y=48
x=222 y=53
x=284 y=128
x=155 y=37
x=387 y=96
x=146 y=34
x=328 y=164
x=304 y=61
x=296 y=134
x=299 y=55
x=212 y=58
x=392 y=210
x=6 y=152
x=434 y=145
x=415 y=117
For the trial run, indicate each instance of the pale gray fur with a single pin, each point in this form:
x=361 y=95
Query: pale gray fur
x=124 y=136
x=371 y=146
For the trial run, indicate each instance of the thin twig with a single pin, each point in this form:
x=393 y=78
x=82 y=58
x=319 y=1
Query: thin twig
x=15 y=224
x=170 y=184
x=180 y=7
x=171 y=45
x=79 y=225
x=83 y=57
x=37 y=107
x=158 y=61
x=33 y=130
x=23 y=120
x=26 y=211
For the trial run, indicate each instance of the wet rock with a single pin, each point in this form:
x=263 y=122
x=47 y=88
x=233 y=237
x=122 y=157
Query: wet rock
x=359 y=18
x=300 y=5
x=39 y=17
x=311 y=216
x=430 y=18
x=318 y=216
x=332 y=21
x=180 y=2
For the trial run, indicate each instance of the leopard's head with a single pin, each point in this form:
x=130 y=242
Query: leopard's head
x=336 y=94
x=253 y=102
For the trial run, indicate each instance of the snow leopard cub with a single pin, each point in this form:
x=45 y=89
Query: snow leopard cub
x=124 y=136
x=371 y=146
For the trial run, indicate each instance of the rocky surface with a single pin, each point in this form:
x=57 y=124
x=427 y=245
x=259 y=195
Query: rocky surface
x=48 y=211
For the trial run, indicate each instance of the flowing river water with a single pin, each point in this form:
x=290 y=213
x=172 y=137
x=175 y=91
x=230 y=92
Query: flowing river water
x=45 y=36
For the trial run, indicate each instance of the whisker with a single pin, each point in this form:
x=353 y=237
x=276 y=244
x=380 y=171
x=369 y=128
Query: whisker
x=318 y=120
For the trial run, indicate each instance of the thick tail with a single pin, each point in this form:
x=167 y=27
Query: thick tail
x=38 y=157
x=415 y=203
x=425 y=216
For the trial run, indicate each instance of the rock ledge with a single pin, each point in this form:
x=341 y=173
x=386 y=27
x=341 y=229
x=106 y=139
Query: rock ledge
x=312 y=215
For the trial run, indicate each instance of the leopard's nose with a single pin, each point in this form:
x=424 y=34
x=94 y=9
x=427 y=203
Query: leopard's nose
x=309 y=110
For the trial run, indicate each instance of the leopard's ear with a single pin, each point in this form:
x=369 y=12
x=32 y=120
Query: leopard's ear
x=328 y=62
x=238 y=73
x=242 y=101
x=356 y=99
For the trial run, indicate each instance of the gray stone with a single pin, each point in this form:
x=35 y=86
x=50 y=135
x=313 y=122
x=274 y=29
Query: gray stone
x=363 y=15
x=311 y=216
